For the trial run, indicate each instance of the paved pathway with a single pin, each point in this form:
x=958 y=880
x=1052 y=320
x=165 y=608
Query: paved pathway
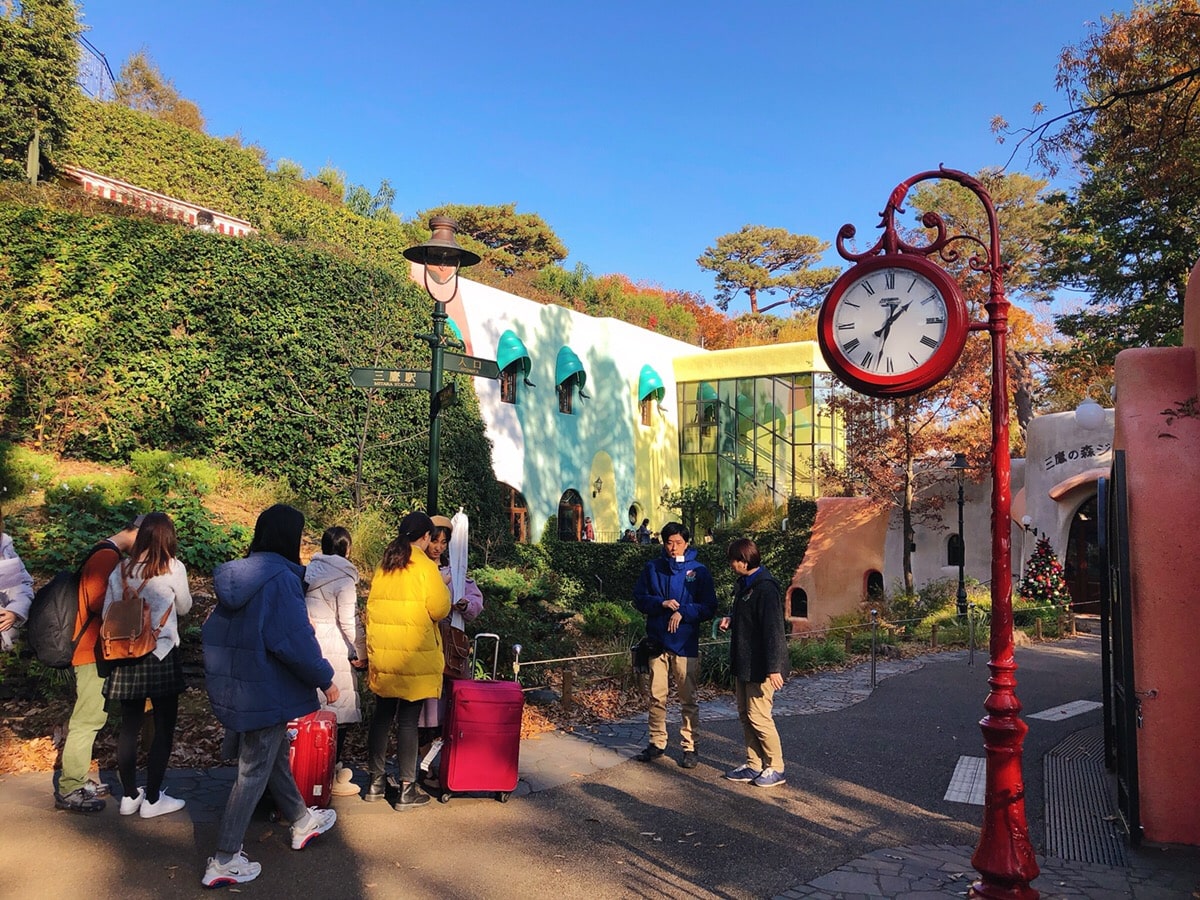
x=605 y=812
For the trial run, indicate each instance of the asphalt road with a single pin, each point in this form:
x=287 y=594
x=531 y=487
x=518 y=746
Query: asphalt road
x=862 y=778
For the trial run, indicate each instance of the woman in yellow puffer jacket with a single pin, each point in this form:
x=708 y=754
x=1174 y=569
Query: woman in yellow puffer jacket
x=404 y=651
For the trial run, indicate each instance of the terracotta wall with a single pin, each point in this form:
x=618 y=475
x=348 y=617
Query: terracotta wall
x=1163 y=468
x=847 y=543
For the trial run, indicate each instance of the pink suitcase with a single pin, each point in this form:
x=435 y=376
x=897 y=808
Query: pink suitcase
x=312 y=753
x=482 y=736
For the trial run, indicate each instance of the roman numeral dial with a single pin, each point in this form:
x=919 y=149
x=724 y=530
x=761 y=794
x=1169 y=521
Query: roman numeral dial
x=890 y=322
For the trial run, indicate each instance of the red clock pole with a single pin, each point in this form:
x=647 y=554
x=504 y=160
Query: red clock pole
x=1004 y=857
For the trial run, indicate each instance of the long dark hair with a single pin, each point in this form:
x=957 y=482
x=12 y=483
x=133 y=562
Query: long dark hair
x=413 y=527
x=335 y=541
x=154 y=547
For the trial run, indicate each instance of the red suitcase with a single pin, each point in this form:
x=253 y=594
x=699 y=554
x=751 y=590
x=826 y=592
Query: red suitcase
x=482 y=736
x=312 y=753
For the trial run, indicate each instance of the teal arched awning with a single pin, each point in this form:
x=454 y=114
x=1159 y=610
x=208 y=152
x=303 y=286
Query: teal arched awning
x=568 y=364
x=456 y=330
x=650 y=385
x=511 y=348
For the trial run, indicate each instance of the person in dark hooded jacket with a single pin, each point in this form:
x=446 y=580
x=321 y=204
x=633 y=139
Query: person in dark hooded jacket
x=758 y=658
x=262 y=667
x=675 y=593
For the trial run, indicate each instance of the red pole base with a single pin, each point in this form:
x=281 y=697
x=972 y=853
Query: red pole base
x=1004 y=857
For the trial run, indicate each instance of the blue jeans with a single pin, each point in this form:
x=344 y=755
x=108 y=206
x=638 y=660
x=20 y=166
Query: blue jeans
x=262 y=762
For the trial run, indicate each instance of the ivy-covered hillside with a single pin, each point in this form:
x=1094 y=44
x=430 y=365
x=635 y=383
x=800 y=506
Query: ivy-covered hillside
x=121 y=333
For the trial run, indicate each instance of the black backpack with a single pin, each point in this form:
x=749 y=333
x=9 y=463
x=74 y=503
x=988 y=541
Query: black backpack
x=50 y=628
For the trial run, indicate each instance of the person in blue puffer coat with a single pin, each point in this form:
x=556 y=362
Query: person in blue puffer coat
x=675 y=593
x=263 y=666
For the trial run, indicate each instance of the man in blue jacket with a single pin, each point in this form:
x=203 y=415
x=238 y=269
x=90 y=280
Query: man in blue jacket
x=263 y=666
x=675 y=593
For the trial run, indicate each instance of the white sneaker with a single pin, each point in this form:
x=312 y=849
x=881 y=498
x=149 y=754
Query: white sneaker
x=318 y=821
x=163 y=806
x=238 y=870
x=130 y=805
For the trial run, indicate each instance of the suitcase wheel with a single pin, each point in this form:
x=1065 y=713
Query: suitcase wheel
x=444 y=796
x=503 y=796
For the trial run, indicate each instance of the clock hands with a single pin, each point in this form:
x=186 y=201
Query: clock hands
x=886 y=329
x=892 y=317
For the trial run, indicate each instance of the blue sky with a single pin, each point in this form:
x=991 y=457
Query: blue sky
x=639 y=130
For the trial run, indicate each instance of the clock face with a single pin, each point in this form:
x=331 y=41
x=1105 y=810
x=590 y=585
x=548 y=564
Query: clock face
x=892 y=325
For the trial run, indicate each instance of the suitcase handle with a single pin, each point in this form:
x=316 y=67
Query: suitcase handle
x=495 y=654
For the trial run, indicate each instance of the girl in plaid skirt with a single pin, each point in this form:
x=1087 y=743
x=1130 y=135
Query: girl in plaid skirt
x=161 y=580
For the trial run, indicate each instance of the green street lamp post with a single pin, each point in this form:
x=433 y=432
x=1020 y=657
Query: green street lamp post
x=441 y=258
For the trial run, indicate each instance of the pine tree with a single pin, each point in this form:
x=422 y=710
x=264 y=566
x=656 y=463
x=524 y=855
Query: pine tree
x=1043 y=582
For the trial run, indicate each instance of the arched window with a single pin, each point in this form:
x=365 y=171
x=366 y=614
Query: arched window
x=954 y=551
x=570 y=516
x=518 y=513
x=799 y=603
x=874 y=586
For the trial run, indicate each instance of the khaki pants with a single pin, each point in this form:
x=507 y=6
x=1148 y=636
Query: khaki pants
x=763 y=750
x=87 y=718
x=686 y=671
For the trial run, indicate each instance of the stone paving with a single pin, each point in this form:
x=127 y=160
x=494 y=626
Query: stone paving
x=903 y=873
x=910 y=873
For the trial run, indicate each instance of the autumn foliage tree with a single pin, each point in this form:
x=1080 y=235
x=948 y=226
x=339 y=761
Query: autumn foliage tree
x=1128 y=234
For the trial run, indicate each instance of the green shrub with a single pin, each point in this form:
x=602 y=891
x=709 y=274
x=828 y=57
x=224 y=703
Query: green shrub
x=22 y=470
x=74 y=520
x=509 y=586
x=714 y=664
x=608 y=620
x=860 y=641
x=566 y=591
x=532 y=624
x=81 y=510
x=159 y=473
x=807 y=656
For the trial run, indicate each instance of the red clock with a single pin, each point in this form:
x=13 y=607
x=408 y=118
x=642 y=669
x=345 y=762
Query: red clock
x=893 y=325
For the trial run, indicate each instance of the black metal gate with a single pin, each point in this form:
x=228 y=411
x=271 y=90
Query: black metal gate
x=1121 y=713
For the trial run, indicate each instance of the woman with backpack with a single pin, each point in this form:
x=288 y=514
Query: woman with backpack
x=154 y=574
x=408 y=598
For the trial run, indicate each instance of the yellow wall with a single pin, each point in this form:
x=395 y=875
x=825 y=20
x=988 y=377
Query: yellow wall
x=748 y=362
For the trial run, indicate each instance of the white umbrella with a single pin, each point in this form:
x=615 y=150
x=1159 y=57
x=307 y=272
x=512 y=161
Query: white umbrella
x=459 y=530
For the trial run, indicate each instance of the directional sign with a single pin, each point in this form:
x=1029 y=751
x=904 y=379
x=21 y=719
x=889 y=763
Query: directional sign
x=447 y=396
x=390 y=378
x=471 y=365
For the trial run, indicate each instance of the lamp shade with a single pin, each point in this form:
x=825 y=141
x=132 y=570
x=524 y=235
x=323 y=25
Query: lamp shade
x=511 y=348
x=568 y=364
x=650 y=385
x=1090 y=415
x=442 y=246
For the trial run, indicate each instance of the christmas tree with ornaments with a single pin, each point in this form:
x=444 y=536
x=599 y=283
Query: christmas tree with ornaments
x=1044 y=582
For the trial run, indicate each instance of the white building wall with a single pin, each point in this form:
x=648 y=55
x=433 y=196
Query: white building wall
x=542 y=452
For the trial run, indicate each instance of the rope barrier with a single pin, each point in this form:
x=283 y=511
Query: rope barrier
x=815 y=633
